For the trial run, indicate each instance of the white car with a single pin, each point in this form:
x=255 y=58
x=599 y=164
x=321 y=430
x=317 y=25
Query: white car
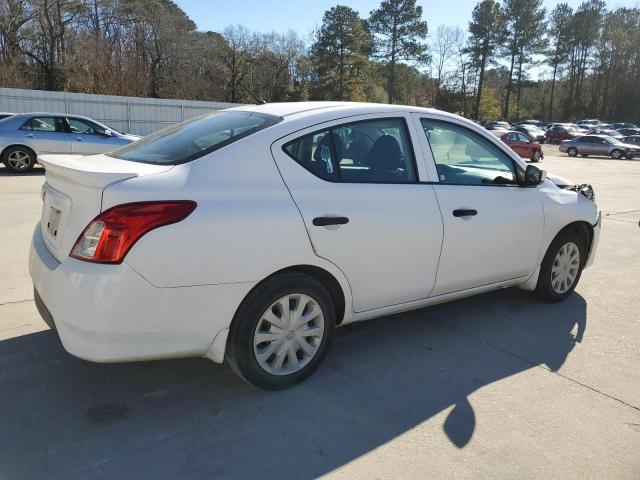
x=251 y=233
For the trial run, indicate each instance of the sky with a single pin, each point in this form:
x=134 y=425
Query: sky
x=305 y=15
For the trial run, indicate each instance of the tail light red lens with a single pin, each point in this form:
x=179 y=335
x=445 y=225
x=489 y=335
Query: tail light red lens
x=109 y=237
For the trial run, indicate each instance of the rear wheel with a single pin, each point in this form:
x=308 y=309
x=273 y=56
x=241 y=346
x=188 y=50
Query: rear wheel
x=561 y=267
x=617 y=154
x=572 y=151
x=629 y=156
x=281 y=331
x=19 y=159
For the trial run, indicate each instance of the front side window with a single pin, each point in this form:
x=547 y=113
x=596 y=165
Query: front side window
x=84 y=127
x=371 y=151
x=523 y=138
x=463 y=157
x=195 y=138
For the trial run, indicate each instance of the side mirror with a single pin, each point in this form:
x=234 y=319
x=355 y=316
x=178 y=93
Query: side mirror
x=108 y=133
x=533 y=176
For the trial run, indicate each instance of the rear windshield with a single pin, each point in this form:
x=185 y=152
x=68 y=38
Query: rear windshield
x=194 y=138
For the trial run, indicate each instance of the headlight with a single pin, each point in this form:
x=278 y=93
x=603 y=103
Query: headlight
x=585 y=189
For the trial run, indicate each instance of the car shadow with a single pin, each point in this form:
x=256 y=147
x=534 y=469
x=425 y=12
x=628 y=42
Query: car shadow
x=37 y=171
x=66 y=418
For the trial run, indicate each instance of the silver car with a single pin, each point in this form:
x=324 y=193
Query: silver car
x=24 y=136
x=599 y=145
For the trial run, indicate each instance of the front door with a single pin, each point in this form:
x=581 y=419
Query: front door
x=492 y=227
x=356 y=186
x=88 y=138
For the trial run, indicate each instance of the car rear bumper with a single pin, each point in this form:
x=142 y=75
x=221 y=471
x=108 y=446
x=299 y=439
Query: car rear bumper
x=110 y=313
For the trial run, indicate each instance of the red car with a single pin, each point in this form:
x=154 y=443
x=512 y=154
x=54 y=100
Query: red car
x=523 y=145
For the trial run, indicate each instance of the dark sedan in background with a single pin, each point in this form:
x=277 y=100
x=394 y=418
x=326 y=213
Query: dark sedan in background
x=599 y=145
x=532 y=131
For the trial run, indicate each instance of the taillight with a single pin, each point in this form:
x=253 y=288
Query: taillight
x=110 y=235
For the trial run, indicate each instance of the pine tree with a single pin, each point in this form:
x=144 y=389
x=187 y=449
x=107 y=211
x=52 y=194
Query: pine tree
x=340 y=55
x=401 y=35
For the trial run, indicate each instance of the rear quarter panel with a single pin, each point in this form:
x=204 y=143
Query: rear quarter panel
x=244 y=228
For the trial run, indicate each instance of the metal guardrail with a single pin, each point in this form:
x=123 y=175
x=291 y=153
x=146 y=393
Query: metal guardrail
x=137 y=115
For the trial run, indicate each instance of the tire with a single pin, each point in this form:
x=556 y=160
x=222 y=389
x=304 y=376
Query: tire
x=277 y=370
x=19 y=159
x=553 y=270
x=629 y=156
x=572 y=151
x=537 y=155
x=617 y=154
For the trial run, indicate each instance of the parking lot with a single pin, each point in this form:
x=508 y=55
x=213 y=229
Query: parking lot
x=495 y=386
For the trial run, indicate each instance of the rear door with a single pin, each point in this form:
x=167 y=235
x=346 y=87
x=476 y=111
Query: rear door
x=492 y=227
x=356 y=185
x=47 y=135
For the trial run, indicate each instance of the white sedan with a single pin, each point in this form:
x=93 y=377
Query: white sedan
x=251 y=233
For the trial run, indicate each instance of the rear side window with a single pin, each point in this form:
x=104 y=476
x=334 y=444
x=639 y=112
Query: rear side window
x=195 y=138
x=44 y=124
x=371 y=151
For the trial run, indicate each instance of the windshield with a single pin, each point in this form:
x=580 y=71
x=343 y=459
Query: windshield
x=615 y=141
x=194 y=138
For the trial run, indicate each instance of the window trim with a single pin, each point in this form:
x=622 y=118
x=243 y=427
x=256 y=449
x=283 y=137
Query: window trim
x=329 y=128
x=518 y=171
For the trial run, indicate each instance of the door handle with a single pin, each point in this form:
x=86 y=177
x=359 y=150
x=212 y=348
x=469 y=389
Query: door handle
x=29 y=135
x=325 y=221
x=464 y=213
x=79 y=139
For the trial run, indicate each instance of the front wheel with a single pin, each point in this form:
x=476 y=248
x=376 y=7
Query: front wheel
x=281 y=331
x=572 y=152
x=561 y=267
x=535 y=158
x=616 y=154
x=629 y=156
x=19 y=159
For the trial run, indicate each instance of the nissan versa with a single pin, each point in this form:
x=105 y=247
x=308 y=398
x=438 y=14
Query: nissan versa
x=251 y=233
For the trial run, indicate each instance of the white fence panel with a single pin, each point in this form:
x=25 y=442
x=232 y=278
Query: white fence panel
x=137 y=115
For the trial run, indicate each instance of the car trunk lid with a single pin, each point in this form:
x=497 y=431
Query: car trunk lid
x=72 y=193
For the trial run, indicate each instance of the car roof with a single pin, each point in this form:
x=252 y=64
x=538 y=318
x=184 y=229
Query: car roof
x=49 y=114
x=308 y=109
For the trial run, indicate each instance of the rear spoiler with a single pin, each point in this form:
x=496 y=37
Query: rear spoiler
x=96 y=171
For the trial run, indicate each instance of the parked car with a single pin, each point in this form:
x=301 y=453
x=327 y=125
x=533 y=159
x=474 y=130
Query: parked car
x=250 y=233
x=497 y=126
x=589 y=122
x=599 y=145
x=621 y=125
x=558 y=133
x=4 y=115
x=523 y=145
x=628 y=131
x=631 y=139
x=25 y=136
x=532 y=131
x=606 y=132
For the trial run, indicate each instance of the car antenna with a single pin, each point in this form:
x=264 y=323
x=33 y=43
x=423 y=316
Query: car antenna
x=258 y=100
